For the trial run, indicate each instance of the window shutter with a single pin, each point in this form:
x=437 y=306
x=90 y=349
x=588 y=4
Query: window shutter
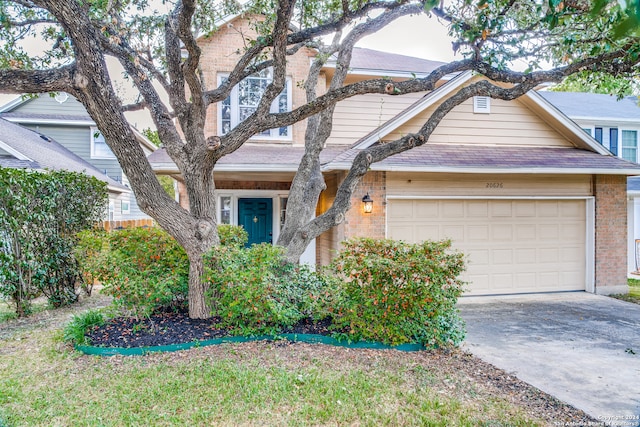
x=481 y=104
x=598 y=135
x=613 y=141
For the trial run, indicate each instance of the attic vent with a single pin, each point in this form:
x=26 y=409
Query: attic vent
x=481 y=104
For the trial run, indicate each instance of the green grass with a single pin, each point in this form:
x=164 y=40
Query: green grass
x=43 y=382
x=8 y=312
x=634 y=292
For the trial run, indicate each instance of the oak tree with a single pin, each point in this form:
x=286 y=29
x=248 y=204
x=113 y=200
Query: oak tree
x=160 y=54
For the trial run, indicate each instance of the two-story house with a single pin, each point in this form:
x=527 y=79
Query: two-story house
x=535 y=203
x=22 y=148
x=65 y=120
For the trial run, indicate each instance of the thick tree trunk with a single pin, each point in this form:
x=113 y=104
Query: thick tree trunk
x=198 y=307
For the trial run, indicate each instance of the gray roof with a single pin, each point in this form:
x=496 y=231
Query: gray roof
x=429 y=157
x=45 y=153
x=249 y=155
x=12 y=162
x=375 y=60
x=435 y=157
x=594 y=105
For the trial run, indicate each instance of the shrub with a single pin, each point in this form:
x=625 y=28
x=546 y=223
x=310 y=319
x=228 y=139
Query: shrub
x=75 y=331
x=144 y=269
x=90 y=252
x=395 y=292
x=256 y=291
x=232 y=236
x=40 y=214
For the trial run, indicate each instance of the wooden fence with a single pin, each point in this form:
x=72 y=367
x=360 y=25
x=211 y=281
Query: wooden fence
x=130 y=223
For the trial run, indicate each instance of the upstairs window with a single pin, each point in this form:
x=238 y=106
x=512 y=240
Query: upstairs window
x=630 y=145
x=244 y=99
x=99 y=147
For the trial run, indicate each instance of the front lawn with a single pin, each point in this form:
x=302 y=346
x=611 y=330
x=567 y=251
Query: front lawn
x=634 y=292
x=44 y=382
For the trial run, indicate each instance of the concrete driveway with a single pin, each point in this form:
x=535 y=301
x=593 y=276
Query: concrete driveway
x=583 y=349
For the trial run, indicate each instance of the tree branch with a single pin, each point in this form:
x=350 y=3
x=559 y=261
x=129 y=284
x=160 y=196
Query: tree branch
x=39 y=81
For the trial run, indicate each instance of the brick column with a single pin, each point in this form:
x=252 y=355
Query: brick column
x=359 y=224
x=611 y=234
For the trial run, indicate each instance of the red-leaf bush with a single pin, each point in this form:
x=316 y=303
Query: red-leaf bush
x=395 y=292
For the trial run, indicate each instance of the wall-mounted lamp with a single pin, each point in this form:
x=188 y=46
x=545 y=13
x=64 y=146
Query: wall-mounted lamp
x=367 y=204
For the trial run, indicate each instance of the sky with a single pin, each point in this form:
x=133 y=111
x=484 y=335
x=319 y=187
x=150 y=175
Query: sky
x=419 y=35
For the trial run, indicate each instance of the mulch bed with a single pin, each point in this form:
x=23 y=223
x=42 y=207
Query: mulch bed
x=175 y=328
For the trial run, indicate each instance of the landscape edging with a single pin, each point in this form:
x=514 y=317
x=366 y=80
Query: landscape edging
x=304 y=338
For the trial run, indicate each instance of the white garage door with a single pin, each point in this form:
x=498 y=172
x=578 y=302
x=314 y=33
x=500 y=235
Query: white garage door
x=512 y=246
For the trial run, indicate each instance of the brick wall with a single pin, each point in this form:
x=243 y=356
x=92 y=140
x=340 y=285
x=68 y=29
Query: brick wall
x=356 y=223
x=131 y=223
x=359 y=224
x=611 y=233
x=221 y=52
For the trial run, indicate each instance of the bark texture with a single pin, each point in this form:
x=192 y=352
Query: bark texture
x=180 y=121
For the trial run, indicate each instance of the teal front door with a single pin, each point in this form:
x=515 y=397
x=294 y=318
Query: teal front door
x=256 y=216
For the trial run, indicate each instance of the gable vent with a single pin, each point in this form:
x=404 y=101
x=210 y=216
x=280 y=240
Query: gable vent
x=481 y=104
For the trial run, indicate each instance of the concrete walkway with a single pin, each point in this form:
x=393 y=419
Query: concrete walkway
x=583 y=349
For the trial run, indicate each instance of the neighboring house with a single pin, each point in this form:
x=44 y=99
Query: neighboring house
x=615 y=124
x=535 y=202
x=22 y=148
x=65 y=120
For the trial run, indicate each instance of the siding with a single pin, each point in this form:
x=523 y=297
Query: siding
x=45 y=104
x=496 y=185
x=77 y=139
x=509 y=123
x=355 y=117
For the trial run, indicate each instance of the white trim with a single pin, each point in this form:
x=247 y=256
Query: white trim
x=568 y=123
x=235 y=120
x=275 y=195
x=258 y=168
x=487 y=197
x=591 y=128
x=13 y=103
x=589 y=223
x=416 y=108
x=264 y=167
x=606 y=121
x=60 y=121
x=124 y=211
x=93 y=130
x=143 y=139
x=620 y=146
x=115 y=189
x=15 y=153
x=482 y=170
x=590 y=245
